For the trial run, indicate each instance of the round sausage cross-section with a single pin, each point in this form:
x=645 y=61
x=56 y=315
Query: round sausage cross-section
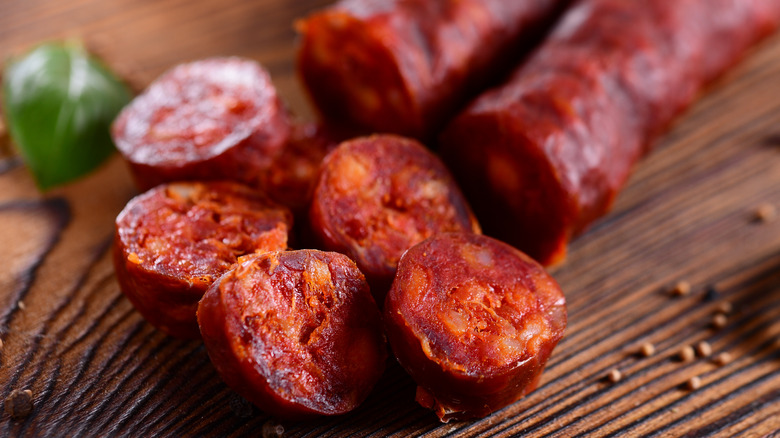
x=473 y=320
x=217 y=118
x=173 y=241
x=377 y=196
x=295 y=332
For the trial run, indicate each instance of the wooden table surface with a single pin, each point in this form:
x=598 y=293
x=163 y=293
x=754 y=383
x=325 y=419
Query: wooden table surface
x=95 y=367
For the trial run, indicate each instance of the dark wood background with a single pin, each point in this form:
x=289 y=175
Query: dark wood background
x=96 y=368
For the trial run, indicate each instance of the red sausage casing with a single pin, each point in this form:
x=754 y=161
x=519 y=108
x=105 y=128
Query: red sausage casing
x=217 y=118
x=406 y=66
x=173 y=241
x=545 y=154
x=295 y=332
x=473 y=320
x=379 y=195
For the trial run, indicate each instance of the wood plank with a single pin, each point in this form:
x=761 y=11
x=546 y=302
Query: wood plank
x=97 y=368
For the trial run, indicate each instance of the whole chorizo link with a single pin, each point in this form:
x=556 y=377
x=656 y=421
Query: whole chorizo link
x=473 y=320
x=173 y=241
x=406 y=66
x=543 y=155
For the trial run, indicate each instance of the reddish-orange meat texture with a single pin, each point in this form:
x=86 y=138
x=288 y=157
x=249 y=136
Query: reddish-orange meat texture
x=473 y=320
x=296 y=332
x=545 y=154
x=377 y=196
x=217 y=118
x=173 y=241
x=290 y=180
x=406 y=66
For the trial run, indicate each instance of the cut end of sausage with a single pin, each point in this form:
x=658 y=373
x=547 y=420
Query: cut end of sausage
x=173 y=241
x=217 y=118
x=353 y=77
x=517 y=195
x=295 y=332
x=474 y=321
x=378 y=196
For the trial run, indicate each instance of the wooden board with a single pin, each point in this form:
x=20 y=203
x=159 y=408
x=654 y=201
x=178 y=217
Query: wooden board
x=95 y=367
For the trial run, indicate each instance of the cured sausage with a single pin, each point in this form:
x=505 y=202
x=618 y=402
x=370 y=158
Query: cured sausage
x=173 y=241
x=379 y=195
x=290 y=180
x=296 y=332
x=217 y=118
x=406 y=66
x=543 y=155
x=473 y=320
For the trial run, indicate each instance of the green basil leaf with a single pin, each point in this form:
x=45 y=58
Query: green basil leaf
x=59 y=103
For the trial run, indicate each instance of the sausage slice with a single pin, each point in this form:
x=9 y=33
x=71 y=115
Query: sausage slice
x=377 y=196
x=473 y=320
x=173 y=241
x=217 y=118
x=296 y=332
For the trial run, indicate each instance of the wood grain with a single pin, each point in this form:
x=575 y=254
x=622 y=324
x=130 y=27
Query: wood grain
x=95 y=367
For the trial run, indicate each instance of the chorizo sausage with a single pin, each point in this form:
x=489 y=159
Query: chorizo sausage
x=290 y=180
x=217 y=118
x=543 y=155
x=473 y=320
x=295 y=332
x=406 y=66
x=173 y=241
x=379 y=195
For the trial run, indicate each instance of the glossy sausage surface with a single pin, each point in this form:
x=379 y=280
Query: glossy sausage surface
x=379 y=195
x=406 y=66
x=173 y=241
x=473 y=320
x=295 y=332
x=543 y=155
x=217 y=118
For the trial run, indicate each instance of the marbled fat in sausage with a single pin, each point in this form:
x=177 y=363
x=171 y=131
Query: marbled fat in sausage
x=217 y=118
x=379 y=195
x=406 y=66
x=473 y=320
x=295 y=332
x=543 y=155
x=173 y=241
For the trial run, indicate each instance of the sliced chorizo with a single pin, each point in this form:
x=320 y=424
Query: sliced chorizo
x=173 y=241
x=217 y=118
x=473 y=320
x=544 y=154
x=290 y=180
x=406 y=66
x=379 y=195
x=295 y=332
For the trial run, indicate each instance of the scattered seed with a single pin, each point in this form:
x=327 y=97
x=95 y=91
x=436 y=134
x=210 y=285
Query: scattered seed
x=1 y=345
x=615 y=375
x=719 y=321
x=711 y=293
x=693 y=383
x=19 y=403
x=272 y=429
x=766 y=213
x=681 y=288
x=704 y=349
x=21 y=305
x=686 y=354
x=725 y=307
x=723 y=358
x=647 y=349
